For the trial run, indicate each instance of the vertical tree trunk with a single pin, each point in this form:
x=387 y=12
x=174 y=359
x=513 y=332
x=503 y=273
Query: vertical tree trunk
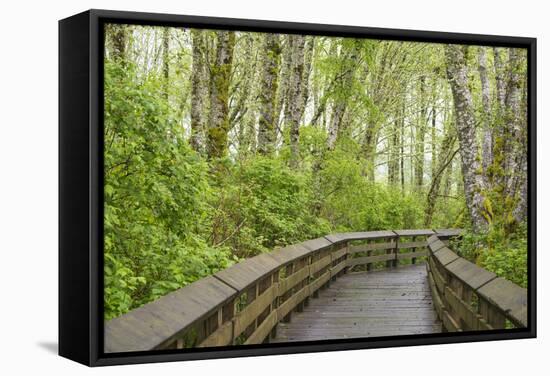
x=343 y=83
x=268 y=94
x=199 y=86
x=393 y=154
x=402 y=151
x=446 y=155
x=420 y=138
x=295 y=96
x=465 y=122
x=516 y=118
x=308 y=61
x=433 y=168
x=220 y=72
x=166 y=59
x=487 y=143
x=513 y=121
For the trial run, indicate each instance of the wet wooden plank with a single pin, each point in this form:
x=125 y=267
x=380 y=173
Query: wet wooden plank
x=508 y=297
x=445 y=256
x=367 y=235
x=449 y=232
x=469 y=273
x=244 y=274
x=422 y=232
x=371 y=247
x=371 y=304
x=401 y=256
x=370 y=259
x=293 y=279
x=316 y=244
x=149 y=326
x=289 y=254
x=252 y=311
x=435 y=244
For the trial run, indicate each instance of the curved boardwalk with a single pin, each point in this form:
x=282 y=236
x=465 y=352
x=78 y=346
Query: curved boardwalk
x=367 y=304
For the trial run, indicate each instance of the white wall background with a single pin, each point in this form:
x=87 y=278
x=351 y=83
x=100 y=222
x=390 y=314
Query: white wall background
x=28 y=184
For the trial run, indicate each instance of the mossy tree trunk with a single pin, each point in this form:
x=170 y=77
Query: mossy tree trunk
x=268 y=94
x=220 y=74
x=465 y=124
x=487 y=137
x=199 y=94
x=295 y=96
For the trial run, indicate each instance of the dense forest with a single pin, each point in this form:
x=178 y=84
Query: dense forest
x=222 y=145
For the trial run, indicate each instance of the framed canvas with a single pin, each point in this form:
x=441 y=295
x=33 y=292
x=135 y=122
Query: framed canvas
x=234 y=187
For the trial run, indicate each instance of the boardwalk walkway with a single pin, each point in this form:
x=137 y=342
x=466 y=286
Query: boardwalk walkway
x=379 y=303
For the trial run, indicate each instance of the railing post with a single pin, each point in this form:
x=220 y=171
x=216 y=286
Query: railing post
x=413 y=250
x=395 y=251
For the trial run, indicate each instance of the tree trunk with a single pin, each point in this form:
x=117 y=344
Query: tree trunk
x=513 y=121
x=295 y=96
x=220 y=72
x=343 y=83
x=268 y=94
x=487 y=143
x=465 y=123
x=199 y=84
x=420 y=138
x=446 y=155
x=166 y=59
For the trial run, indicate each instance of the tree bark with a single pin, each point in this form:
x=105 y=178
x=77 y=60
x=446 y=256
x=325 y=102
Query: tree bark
x=465 y=124
x=343 y=89
x=513 y=121
x=199 y=85
x=295 y=96
x=487 y=142
x=166 y=59
x=446 y=155
x=220 y=72
x=268 y=94
x=420 y=138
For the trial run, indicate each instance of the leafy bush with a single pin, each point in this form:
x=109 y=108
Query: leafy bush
x=504 y=255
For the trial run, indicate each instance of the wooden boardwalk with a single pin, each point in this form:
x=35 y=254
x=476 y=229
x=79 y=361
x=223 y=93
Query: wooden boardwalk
x=367 y=304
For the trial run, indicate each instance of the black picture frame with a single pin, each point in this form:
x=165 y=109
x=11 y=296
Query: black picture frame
x=81 y=186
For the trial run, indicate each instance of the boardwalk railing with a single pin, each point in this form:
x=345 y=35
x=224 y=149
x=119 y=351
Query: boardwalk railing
x=468 y=297
x=244 y=303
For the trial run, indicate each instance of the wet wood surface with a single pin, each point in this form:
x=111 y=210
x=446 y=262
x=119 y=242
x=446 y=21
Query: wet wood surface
x=367 y=304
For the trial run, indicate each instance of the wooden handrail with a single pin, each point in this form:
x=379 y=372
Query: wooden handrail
x=468 y=297
x=244 y=303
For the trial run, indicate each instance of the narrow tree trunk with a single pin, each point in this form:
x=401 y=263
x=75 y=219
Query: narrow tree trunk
x=393 y=154
x=446 y=156
x=487 y=143
x=434 y=156
x=465 y=122
x=166 y=59
x=268 y=94
x=343 y=82
x=220 y=72
x=308 y=60
x=420 y=138
x=513 y=121
x=402 y=151
x=199 y=84
x=295 y=102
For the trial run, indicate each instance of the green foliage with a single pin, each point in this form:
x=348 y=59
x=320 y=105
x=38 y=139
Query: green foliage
x=505 y=255
x=155 y=196
x=263 y=204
